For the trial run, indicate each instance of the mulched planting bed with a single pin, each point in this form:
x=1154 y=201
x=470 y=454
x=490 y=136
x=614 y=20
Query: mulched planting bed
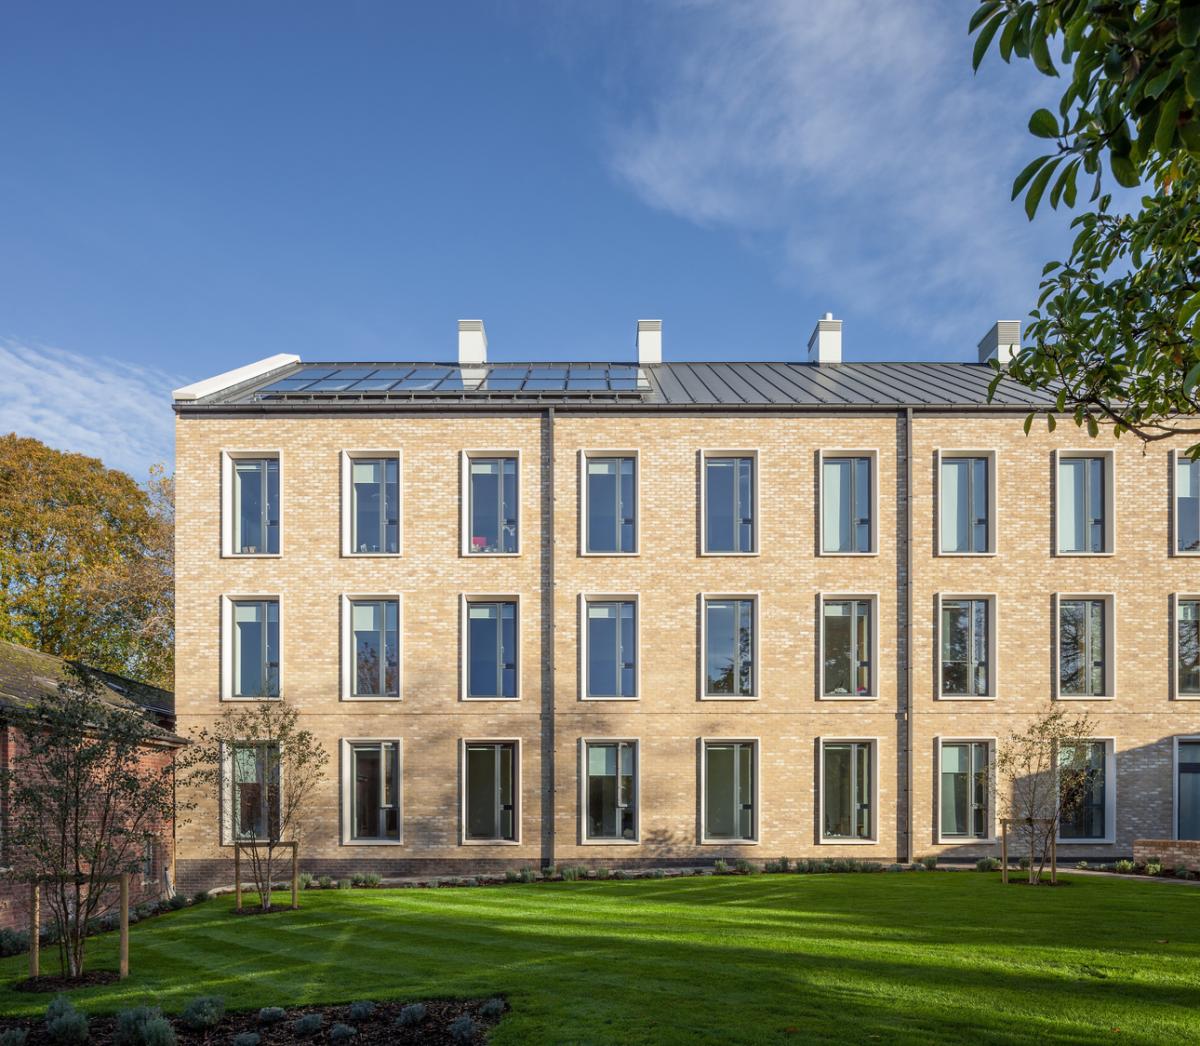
x=66 y=984
x=379 y=1028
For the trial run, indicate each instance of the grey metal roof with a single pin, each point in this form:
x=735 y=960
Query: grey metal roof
x=701 y=385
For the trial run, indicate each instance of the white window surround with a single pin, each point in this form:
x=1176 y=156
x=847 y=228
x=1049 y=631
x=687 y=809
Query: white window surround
x=228 y=460
x=702 y=744
x=518 y=805
x=1175 y=743
x=993 y=502
x=993 y=640
x=227 y=645
x=1173 y=493
x=963 y=840
x=225 y=803
x=347 y=645
x=584 y=456
x=755 y=652
x=1110 y=499
x=347 y=789
x=838 y=597
x=873 y=455
x=465 y=515
x=1110 y=645
x=628 y=597
x=637 y=789
x=1110 y=796
x=1175 y=599
x=756 y=473
x=347 y=458
x=839 y=840
x=464 y=668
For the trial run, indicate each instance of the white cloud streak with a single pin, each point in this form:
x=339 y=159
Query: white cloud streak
x=849 y=138
x=105 y=408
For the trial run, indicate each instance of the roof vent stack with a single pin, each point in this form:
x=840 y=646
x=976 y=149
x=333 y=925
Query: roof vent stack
x=1001 y=343
x=825 y=342
x=649 y=341
x=472 y=343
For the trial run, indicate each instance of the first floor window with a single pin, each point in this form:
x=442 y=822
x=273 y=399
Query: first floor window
x=256 y=648
x=1082 y=664
x=254 y=802
x=1082 y=526
x=491 y=785
x=964 y=789
x=965 y=647
x=375 y=774
x=375 y=505
x=492 y=649
x=1187 y=504
x=729 y=504
x=376 y=647
x=963 y=496
x=1083 y=784
x=1188 y=806
x=846 y=504
x=729 y=648
x=611 y=789
x=255 y=506
x=612 y=649
x=729 y=790
x=492 y=505
x=847 y=643
x=1188 y=646
x=846 y=790
x=611 y=505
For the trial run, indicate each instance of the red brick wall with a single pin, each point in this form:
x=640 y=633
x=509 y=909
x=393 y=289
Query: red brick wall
x=1171 y=853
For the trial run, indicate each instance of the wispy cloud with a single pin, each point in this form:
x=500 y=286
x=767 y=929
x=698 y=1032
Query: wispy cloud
x=849 y=139
x=109 y=409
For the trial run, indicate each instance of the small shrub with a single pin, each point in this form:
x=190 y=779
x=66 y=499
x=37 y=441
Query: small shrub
x=131 y=1025
x=658 y=873
x=361 y=1011
x=1023 y=862
x=158 y=1032
x=306 y=880
x=201 y=896
x=1153 y=868
x=372 y=879
x=271 y=1015
x=203 y=1012
x=570 y=874
x=325 y=882
x=895 y=867
x=603 y=873
x=551 y=872
x=342 y=1033
x=1081 y=865
x=744 y=866
x=929 y=862
x=14 y=1037
x=720 y=866
x=1184 y=873
x=987 y=864
x=412 y=1015
x=492 y=1008
x=781 y=864
x=1125 y=867
x=463 y=1029
x=358 y=879
x=147 y=909
x=64 y=1024
x=620 y=873
x=1154 y=860
x=872 y=866
x=511 y=876
x=247 y=1038
x=177 y=901
x=345 y=884
x=13 y=942
x=528 y=875
x=917 y=866
x=308 y=1025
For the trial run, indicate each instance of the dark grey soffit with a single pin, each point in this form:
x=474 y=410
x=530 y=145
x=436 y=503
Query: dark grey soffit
x=667 y=386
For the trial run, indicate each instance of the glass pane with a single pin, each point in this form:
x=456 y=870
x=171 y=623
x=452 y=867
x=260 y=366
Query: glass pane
x=979 y=505
x=862 y=504
x=838 y=644
x=745 y=792
x=392 y=505
x=486 y=509
x=862 y=791
x=482 y=799
x=249 y=535
x=836 y=498
x=979 y=646
x=836 y=793
x=745 y=505
x=1072 y=504
x=720 y=499
x=955 y=789
x=1096 y=647
x=729 y=654
x=367 y=619
x=1082 y=787
x=955 y=506
x=1189 y=647
x=862 y=648
x=1095 y=504
x=955 y=639
x=721 y=815
x=1187 y=505
x=603 y=654
x=483 y=650
x=508 y=649
x=627 y=507
x=602 y=791
x=628 y=650
x=1072 y=650
x=367 y=478
x=507 y=814
x=509 y=506
x=602 y=505
x=368 y=792
x=250 y=654
x=1189 y=800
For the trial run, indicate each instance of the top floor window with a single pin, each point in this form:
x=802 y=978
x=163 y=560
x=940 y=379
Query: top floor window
x=374 y=506
x=491 y=505
x=1084 y=504
x=847 y=497
x=729 y=502
x=965 y=503
x=1187 y=504
x=255 y=496
x=610 y=492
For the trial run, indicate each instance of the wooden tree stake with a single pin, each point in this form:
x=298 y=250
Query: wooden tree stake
x=35 y=929
x=295 y=876
x=237 y=876
x=124 y=961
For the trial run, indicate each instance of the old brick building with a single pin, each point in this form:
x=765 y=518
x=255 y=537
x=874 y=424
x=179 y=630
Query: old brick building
x=664 y=612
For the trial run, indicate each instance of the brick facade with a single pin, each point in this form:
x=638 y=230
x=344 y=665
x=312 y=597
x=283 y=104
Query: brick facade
x=1170 y=853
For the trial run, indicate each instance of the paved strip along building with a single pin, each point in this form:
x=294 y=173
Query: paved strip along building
x=654 y=612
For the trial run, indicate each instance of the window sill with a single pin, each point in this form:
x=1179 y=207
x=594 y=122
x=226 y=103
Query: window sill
x=237 y=699
x=371 y=698
x=1186 y=697
x=251 y=555
x=967 y=840
x=966 y=697
x=709 y=554
x=490 y=842
x=1185 y=554
x=1085 y=697
x=847 y=842
x=372 y=842
x=490 y=555
x=965 y=555
x=730 y=697
x=615 y=697
x=610 y=555
x=848 y=697
x=372 y=555
x=467 y=699
x=847 y=555
x=728 y=842
x=610 y=842
x=1083 y=555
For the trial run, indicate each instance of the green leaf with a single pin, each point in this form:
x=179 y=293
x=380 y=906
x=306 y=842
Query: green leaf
x=1189 y=381
x=1040 y=52
x=1034 y=196
x=1168 y=121
x=1188 y=309
x=1051 y=424
x=1093 y=428
x=1124 y=170
x=983 y=41
x=1192 y=82
x=1069 y=191
x=1028 y=423
x=1188 y=26
x=1023 y=178
x=981 y=13
x=1043 y=124
x=1159 y=84
x=1007 y=39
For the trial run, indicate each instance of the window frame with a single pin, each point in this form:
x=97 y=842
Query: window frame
x=873 y=457
x=756 y=498
x=1110 y=500
x=346 y=750
x=993 y=638
x=755 y=770
x=1173 y=492
x=467 y=457
x=872 y=598
x=586 y=598
x=465 y=602
x=993 y=529
x=1110 y=645
x=755 y=652
x=348 y=673
x=226 y=807
x=1176 y=740
x=837 y=840
x=228 y=645
x=347 y=458
x=1110 y=795
x=1176 y=599
x=229 y=459
x=518 y=779
x=991 y=838
x=584 y=743
x=584 y=457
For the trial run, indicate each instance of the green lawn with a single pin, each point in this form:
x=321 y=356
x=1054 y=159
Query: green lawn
x=931 y=957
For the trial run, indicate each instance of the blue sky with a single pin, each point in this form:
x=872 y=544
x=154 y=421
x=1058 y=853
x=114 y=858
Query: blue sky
x=186 y=188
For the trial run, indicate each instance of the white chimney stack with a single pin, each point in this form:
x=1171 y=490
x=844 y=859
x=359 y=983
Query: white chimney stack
x=825 y=342
x=1001 y=343
x=649 y=341
x=472 y=342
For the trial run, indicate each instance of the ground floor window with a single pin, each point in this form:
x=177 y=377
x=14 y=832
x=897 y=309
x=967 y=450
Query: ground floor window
x=964 y=790
x=847 y=787
x=1083 y=780
x=1188 y=805
x=490 y=782
x=375 y=794
x=147 y=862
x=611 y=789
x=730 y=790
x=254 y=785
